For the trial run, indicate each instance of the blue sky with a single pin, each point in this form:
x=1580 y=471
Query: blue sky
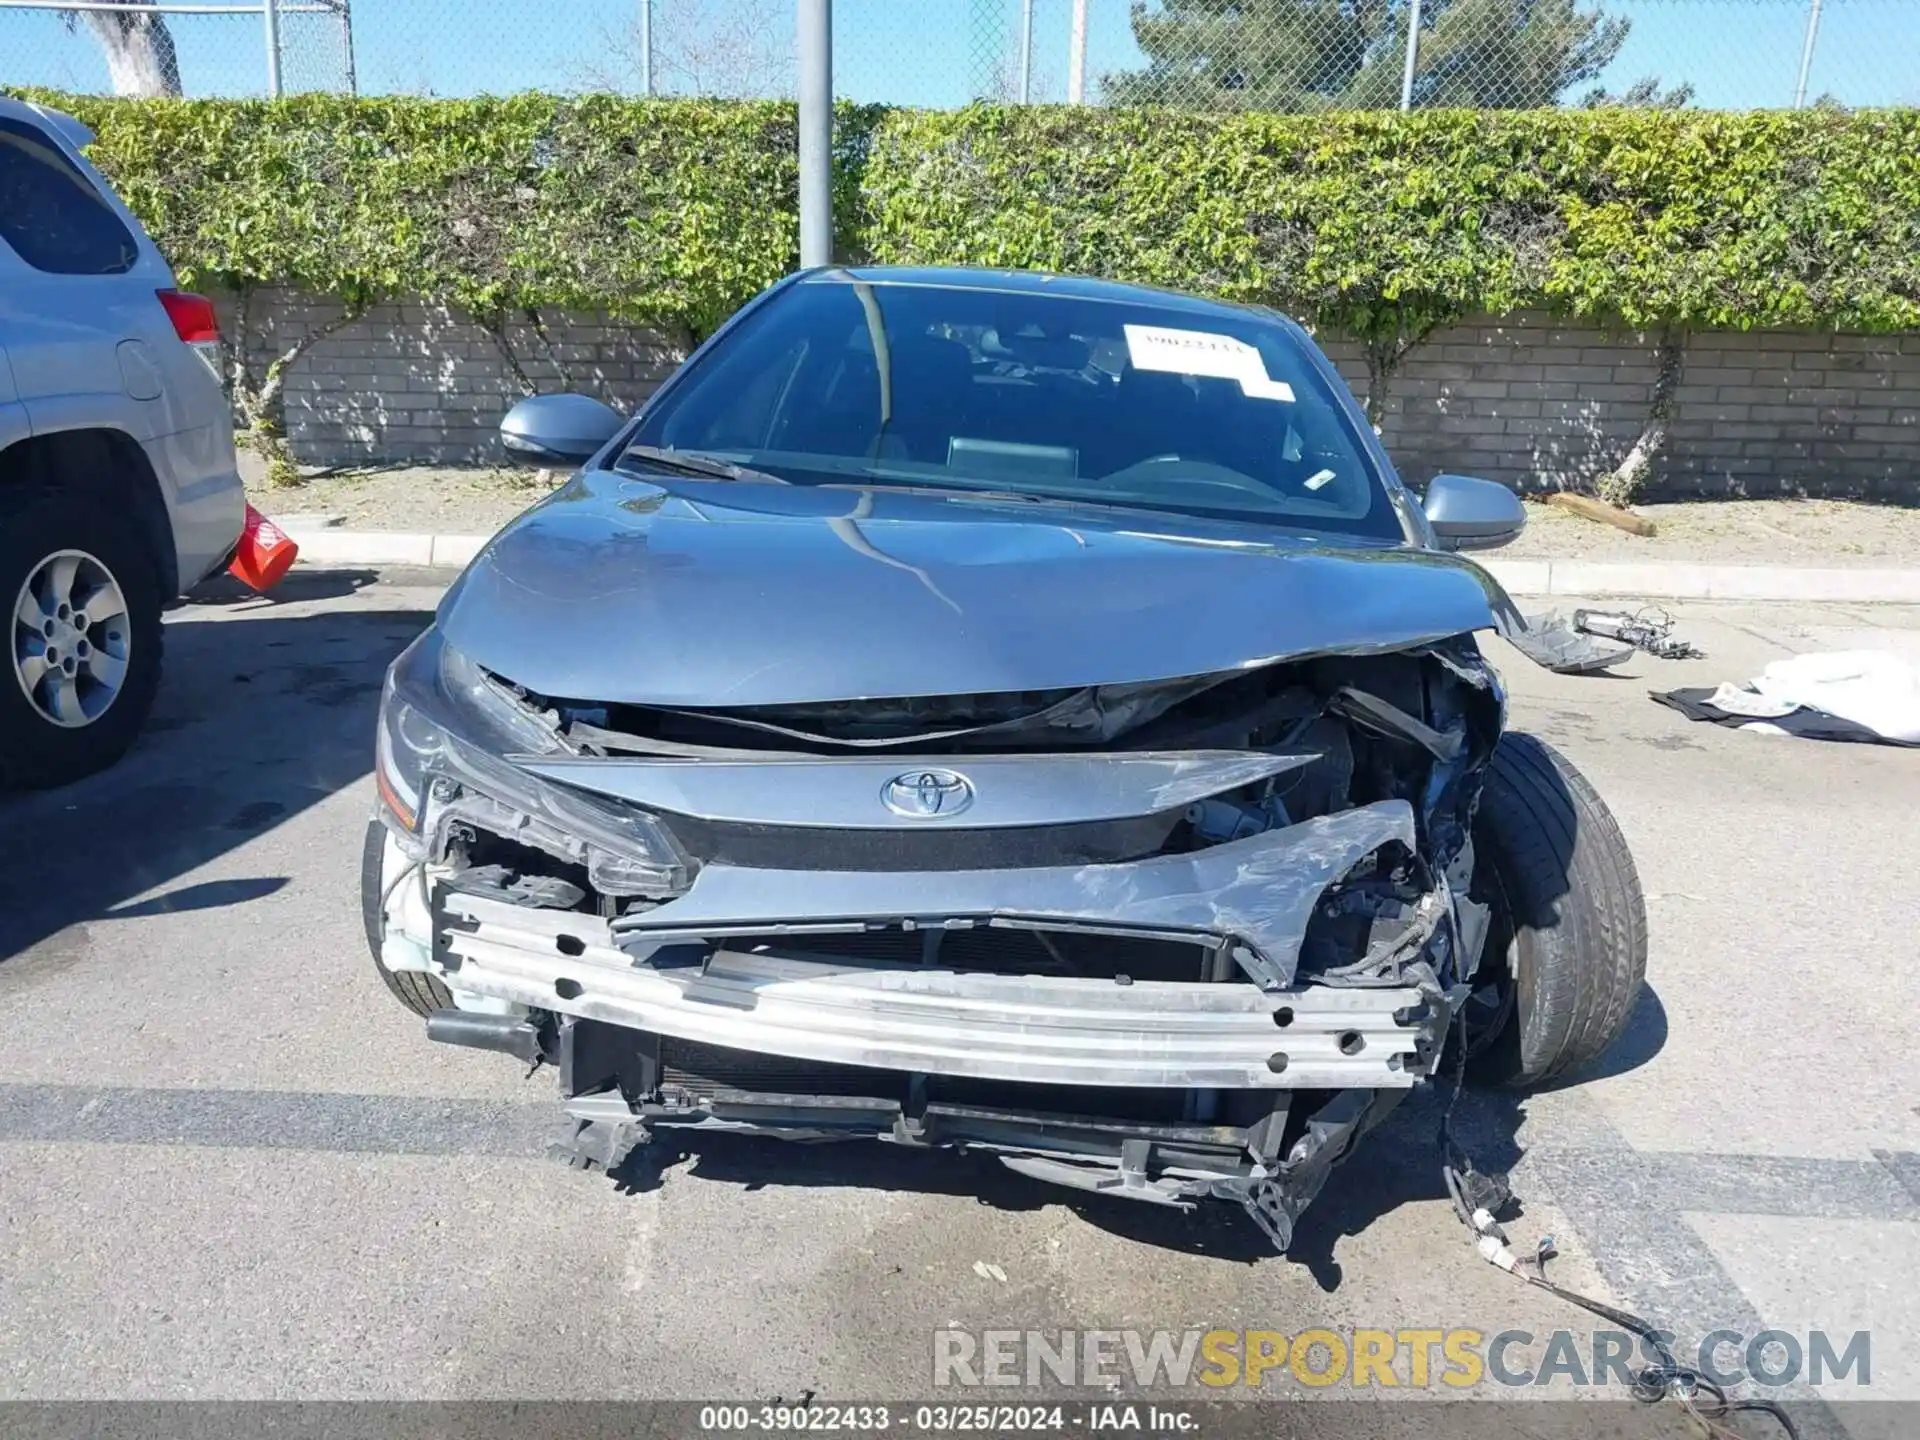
x=1736 y=53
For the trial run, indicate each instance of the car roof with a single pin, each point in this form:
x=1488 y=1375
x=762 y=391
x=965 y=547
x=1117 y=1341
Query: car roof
x=1032 y=282
x=46 y=117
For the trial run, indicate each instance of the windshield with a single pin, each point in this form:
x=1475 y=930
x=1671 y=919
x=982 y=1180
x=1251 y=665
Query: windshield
x=1115 y=402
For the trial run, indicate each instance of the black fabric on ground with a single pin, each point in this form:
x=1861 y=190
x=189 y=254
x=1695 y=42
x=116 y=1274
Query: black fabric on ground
x=1807 y=724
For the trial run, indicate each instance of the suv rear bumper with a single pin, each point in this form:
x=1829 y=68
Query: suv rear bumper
x=206 y=501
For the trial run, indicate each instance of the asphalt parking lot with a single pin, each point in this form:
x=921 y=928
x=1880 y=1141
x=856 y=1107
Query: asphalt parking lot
x=231 y=1167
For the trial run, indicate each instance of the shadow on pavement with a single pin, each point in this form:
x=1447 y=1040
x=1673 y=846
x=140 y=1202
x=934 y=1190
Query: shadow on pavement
x=1644 y=1037
x=1395 y=1165
x=753 y=1162
x=259 y=717
x=299 y=585
x=208 y=895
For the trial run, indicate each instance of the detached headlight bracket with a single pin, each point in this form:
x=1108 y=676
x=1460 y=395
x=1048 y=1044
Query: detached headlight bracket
x=444 y=757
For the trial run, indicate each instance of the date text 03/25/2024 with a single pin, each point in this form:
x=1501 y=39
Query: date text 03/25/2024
x=945 y=1419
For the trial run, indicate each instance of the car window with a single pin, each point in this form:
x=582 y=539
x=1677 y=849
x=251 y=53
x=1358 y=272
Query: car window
x=1111 y=400
x=50 y=212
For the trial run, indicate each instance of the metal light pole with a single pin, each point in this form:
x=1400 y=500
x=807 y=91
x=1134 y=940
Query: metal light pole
x=646 y=47
x=1077 y=56
x=814 y=48
x=1413 y=55
x=270 y=15
x=1026 y=52
x=1806 y=55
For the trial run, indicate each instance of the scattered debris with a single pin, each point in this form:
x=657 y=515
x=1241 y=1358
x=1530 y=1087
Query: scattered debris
x=989 y=1272
x=1596 y=640
x=1600 y=511
x=1552 y=642
x=1649 y=628
x=1861 y=695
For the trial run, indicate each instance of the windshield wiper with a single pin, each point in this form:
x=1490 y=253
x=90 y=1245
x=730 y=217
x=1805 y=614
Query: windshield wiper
x=1022 y=497
x=967 y=492
x=692 y=462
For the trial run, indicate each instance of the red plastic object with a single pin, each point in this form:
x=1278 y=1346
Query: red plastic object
x=265 y=553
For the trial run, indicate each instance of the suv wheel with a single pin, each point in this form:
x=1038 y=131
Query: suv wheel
x=83 y=653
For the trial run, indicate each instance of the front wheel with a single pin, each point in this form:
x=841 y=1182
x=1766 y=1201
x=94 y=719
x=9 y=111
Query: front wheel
x=1566 y=952
x=380 y=869
x=83 y=620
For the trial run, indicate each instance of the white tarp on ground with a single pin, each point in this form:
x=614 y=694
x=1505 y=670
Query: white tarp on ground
x=1869 y=687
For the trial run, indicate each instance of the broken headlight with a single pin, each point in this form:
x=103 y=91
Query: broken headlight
x=446 y=729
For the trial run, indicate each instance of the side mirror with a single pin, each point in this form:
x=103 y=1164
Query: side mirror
x=1470 y=514
x=550 y=430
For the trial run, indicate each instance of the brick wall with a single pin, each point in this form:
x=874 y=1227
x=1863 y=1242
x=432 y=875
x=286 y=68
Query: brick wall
x=1526 y=399
x=1535 y=402
x=420 y=383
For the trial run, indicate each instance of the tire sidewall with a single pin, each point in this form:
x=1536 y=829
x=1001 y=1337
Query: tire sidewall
x=1576 y=916
x=421 y=993
x=1520 y=1048
x=35 y=752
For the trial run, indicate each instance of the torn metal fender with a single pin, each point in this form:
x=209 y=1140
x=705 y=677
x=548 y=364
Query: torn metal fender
x=1256 y=894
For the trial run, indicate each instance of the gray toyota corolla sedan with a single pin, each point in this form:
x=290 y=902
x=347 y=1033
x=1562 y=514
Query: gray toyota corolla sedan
x=992 y=711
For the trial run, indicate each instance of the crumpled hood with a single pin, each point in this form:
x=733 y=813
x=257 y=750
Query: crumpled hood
x=726 y=593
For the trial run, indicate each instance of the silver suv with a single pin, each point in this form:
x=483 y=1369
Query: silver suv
x=117 y=480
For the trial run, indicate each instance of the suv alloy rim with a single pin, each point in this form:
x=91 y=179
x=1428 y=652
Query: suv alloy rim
x=71 y=638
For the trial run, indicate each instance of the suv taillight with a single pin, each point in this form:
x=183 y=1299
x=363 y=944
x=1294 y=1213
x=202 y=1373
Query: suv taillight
x=195 y=323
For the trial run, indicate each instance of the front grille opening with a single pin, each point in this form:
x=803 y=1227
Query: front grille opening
x=998 y=950
x=700 y=1070
x=792 y=847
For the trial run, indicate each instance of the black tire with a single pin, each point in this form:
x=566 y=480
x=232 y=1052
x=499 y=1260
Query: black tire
x=36 y=522
x=1568 y=944
x=421 y=993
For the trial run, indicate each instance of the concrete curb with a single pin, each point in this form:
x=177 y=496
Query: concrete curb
x=325 y=548
x=1572 y=578
x=1651 y=581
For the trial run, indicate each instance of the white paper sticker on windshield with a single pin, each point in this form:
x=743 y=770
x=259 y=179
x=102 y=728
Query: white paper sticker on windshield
x=1201 y=352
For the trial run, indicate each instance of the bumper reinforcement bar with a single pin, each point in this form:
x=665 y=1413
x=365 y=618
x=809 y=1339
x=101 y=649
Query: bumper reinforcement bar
x=1035 y=1029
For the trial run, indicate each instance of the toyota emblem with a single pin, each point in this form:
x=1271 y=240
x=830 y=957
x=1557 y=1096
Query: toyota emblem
x=927 y=794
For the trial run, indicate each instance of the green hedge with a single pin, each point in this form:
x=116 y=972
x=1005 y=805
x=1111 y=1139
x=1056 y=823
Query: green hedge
x=674 y=212
x=1371 y=220
x=671 y=211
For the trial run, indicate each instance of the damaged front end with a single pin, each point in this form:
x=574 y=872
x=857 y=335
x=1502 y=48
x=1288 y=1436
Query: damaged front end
x=1168 y=940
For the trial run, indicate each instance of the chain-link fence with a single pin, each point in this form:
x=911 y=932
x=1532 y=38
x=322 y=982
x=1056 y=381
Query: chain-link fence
x=1286 y=55
x=240 y=48
x=1293 y=55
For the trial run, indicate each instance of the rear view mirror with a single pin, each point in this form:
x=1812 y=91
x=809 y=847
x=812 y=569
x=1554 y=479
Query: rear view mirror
x=548 y=430
x=1470 y=514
